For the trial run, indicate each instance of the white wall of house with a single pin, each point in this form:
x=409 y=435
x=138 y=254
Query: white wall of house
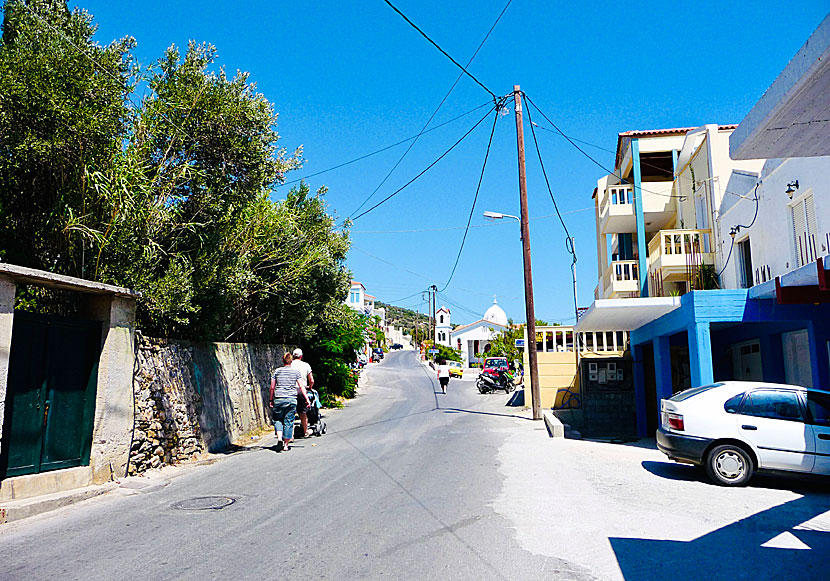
x=356 y=297
x=772 y=240
x=476 y=334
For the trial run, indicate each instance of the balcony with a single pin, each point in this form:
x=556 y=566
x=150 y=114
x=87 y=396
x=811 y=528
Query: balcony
x=621 y=280
x=676 y=256
x=616 y=207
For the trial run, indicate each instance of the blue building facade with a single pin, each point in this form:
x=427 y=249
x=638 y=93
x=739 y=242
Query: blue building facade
x=698 y=343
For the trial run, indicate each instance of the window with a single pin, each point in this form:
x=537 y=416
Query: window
x=442 y=318
x=657 y=166
x=818 y=404
x=773 y=404
x=733 y=404
x=354 y=296
x=687 y=393
x=803 y=215
x=745 y=263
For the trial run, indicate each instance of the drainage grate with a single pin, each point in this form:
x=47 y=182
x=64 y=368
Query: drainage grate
x=204 y=503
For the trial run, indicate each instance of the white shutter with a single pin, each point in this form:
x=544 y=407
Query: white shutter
x=799 y=233
x=810 y=214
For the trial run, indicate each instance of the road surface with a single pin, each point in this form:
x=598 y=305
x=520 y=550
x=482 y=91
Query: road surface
x=413 y=484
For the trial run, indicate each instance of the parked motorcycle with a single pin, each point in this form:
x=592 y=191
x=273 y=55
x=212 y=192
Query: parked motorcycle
x=487 y=384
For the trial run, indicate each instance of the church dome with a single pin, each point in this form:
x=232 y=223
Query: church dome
x=495 y=314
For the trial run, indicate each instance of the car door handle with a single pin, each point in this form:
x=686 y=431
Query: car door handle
x=824 y=436
x=748 y=427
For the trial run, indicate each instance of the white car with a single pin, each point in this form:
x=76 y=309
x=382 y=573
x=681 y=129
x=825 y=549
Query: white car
x=736 y=428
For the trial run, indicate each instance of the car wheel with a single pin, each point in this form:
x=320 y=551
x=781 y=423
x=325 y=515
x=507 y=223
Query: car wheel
x=729 y=465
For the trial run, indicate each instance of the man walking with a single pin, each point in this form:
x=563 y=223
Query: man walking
x=307 y=381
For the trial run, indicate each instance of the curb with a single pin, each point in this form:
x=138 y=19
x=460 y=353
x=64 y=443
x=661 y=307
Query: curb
x=556 y=429
x=19 y=509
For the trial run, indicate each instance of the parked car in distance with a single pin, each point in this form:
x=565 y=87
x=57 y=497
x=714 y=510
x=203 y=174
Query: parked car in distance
x=397 y=346
x=736 y=428
x=456 y=369
x=492 y=366
x=377 y=354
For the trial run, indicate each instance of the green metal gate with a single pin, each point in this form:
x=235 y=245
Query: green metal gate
x=50 y=398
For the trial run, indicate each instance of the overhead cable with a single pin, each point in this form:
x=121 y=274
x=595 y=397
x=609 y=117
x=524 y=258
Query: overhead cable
x=478 y=189
x=425 y=170
x=382 y=149
x=445 y=53
x=434 y=113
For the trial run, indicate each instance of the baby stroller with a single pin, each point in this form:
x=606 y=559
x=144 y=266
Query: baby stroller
x=316 y=425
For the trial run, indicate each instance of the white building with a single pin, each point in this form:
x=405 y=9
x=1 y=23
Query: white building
x=443 y=331
x=357 y=296
x=475 y=338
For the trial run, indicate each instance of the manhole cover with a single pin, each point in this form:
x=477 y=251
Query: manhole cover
x=204 y=503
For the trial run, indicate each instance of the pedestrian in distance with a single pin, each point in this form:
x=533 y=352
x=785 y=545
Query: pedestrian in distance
x=307 y=382
x=285 y=387
x=443 y=375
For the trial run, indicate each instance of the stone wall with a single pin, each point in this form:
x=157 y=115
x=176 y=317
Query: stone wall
x=192 y=398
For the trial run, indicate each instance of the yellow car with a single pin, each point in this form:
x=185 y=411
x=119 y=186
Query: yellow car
x=456 y=370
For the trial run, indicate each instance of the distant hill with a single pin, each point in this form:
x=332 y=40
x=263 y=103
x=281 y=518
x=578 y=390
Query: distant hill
x=402 y=318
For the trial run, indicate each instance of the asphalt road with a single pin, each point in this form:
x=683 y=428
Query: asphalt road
x=402 y=486
x=413 y=484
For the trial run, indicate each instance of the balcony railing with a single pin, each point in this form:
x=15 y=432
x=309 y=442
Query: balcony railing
x=679 y=248
x=617 y=196
x=561 y=340
x=621 y=276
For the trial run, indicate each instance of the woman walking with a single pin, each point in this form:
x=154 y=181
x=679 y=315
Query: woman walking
x=285 y=390
x=443 y=375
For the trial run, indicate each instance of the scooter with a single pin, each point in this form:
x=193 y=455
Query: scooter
x=487 y=384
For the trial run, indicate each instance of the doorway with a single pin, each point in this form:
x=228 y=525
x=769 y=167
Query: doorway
x=50 y=399
x=746 y=361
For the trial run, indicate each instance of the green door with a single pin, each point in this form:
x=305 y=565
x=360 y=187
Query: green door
x=50 y=399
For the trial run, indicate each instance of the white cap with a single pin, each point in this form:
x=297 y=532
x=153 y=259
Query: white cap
x=297 y=353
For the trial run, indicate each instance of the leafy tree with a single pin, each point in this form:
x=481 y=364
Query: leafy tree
x=504 y=344
x=333 y=348
x=171 y=197
x=63 y=115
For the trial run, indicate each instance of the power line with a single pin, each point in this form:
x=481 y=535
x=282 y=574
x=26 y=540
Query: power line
x=445 y=53
x=449 y=228
x=382 y=149
x=569 y=241
x=425 y=170
x=545 y=174
x=478 y=189
x=434 y=113
x=604 y=168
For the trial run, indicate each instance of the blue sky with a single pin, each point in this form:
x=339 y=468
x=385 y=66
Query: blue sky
x=348 y=78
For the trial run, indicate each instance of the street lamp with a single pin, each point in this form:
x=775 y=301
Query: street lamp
x=499 y=216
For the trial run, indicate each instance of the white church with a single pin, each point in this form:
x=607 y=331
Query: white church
x=473 y=338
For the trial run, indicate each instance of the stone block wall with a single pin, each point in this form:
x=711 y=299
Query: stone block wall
x=192 y=398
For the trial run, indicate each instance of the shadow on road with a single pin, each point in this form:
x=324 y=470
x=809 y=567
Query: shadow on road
x=799 y=483
x=799 y=549
x=462 y=411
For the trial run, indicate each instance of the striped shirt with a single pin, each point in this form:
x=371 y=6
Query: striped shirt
x=286 y=382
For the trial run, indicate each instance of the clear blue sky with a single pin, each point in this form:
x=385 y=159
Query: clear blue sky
x=348 y=78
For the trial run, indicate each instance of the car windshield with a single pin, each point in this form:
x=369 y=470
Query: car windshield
x=686 y=394
x=496 y=363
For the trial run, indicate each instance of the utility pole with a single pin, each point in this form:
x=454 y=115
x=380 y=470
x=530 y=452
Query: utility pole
x=433 y=289
x=525 y=228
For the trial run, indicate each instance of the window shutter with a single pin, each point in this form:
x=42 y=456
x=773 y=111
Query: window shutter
x=810 y=215
x=799 y=233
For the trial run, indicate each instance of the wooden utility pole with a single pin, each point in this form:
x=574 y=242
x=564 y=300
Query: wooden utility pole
x=433 y=290
x=530 y=345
